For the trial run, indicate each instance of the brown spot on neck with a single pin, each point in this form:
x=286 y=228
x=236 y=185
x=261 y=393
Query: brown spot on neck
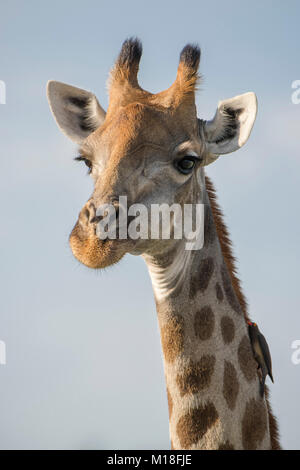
x=229 y=291
x=246 y=360
x=273 y=426
x=200 y=279
x=254 y=424
x=230 y=385
x=226 y=446
x=219 y=292
x=227 y=329
x=204 y=323
x=192 y=426
x=196 y=376
x=209 y=227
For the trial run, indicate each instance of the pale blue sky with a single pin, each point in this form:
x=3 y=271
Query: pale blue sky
x=84 y=367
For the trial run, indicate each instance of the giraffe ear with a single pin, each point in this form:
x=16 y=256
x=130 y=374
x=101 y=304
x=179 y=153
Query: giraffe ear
x=76 y=111
x=231 y=127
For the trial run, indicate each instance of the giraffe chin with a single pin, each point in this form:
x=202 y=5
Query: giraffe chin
x=95 y=253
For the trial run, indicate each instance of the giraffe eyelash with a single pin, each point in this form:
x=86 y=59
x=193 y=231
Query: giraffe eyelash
x=88 y=162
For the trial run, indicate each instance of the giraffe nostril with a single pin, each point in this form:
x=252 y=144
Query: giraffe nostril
x=117 y=209
x=87 y=213
x=90 y=211
x=97 y=219
x=94 y=218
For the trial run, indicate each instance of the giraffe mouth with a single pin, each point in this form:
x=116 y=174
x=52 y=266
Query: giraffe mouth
x=95 y=253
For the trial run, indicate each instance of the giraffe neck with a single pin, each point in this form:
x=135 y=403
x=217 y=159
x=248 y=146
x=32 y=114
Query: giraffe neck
x=211 y=377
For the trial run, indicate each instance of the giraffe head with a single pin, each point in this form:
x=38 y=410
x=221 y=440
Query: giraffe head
x=151 y=148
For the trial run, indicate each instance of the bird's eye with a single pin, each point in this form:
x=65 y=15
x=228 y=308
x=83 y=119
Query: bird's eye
x=86 y=161
x=186 y=164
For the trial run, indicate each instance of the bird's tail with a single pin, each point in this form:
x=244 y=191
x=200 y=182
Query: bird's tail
x=262 y=387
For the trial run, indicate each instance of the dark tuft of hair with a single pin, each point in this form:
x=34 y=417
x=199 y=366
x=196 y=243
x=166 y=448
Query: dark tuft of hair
x=231 y=124
x=81 y=102
x=190 y=56
x=131 y=52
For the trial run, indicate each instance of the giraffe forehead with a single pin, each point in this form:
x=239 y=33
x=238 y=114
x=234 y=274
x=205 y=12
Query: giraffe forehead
x=138 y=125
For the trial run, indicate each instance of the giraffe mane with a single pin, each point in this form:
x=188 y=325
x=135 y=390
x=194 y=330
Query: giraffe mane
x=230 y=260
x=226 y=245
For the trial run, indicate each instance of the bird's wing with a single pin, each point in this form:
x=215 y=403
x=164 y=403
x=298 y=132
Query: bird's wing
x=266 y=353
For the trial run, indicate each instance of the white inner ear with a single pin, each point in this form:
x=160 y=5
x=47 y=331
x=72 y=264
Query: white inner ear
x=231 y=127
x=76 y=111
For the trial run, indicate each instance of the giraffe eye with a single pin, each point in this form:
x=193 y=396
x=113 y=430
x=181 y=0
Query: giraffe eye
x=186 y=164
x=86 y=161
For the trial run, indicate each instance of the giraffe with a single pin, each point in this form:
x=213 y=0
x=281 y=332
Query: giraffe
x=153 y=149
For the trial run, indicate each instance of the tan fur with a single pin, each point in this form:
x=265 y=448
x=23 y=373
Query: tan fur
x=172 y=338
x=170 y=403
